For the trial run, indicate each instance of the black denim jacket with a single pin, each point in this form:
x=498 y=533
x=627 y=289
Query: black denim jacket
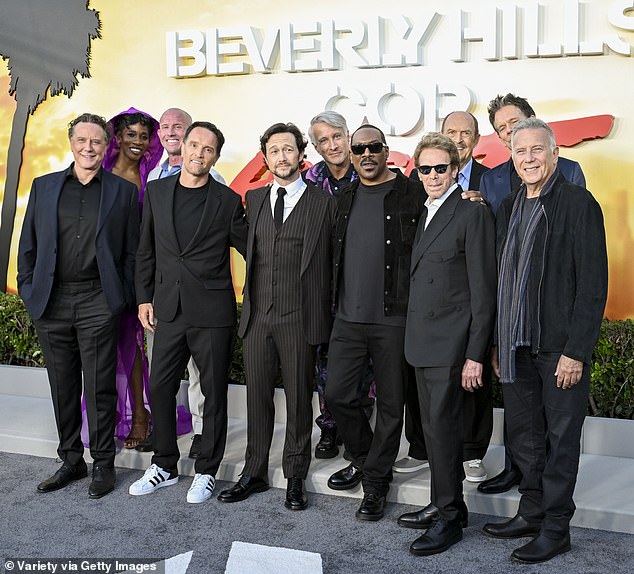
x=402 y=209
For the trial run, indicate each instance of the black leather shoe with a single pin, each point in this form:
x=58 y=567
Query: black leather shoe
x=245 y=487
x=345 y=478
x=372 y=507
x=441 y=536
x=145 y=445
x=194 y=450
x=327 y=445
x=503 y=482
x=541 y=549
x=64 y=475
x=426 y=517
x=516 y=527
x=295 y=494
x=103 y=479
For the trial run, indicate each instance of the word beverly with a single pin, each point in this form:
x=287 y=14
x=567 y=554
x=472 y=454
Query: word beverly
x=56 y=566
x=511 y=32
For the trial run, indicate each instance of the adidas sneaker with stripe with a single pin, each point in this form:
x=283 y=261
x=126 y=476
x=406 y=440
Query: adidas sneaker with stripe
x=201 y=489
x=153 y=479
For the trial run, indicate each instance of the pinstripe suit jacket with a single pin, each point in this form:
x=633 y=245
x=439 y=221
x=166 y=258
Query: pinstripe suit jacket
x=316 y=264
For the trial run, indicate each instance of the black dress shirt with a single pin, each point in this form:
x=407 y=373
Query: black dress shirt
x=77 y=217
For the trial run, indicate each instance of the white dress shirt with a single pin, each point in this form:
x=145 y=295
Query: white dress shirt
x=294 y=192
x=433 y=205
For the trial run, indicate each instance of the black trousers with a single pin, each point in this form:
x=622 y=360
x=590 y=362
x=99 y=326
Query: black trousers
x=477 y=415
x=78 y=334
x=544 y=430
x=273 y=343
x=440 y=400
x=350 y=346
x=174 y=342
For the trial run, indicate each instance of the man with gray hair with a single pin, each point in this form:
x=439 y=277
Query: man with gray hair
x=552 y=289
x=329 y=135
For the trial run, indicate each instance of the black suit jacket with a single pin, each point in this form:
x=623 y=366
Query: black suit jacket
x=199 y=275
x=477 y=171
x=453 y=282
x=315 y=271
x=116 y=241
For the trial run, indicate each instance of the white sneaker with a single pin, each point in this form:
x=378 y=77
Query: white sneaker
x=153 y=479
x=201 y=489
x=409 y=464
x=474 y=470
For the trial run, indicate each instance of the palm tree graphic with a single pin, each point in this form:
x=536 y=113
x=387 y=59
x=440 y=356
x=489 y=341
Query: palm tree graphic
x=47 y=44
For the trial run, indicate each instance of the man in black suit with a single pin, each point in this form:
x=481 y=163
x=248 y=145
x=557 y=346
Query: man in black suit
x=286 y=311
x=449 y=324
x=183 y=277
x=376 y=223
x=75 y=275
x=461 y=128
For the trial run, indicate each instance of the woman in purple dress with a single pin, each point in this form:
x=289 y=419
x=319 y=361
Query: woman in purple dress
x=134 y=150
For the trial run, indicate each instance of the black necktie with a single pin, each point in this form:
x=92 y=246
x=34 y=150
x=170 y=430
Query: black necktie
x=278 y=211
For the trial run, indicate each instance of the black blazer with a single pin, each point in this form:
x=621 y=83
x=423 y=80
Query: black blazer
x=453 y=283
x=199 y=275
x=315 y=271
x=477 y=171
x=116 y=241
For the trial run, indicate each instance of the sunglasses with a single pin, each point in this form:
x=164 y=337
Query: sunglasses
x=439 y=169
x=375 y=147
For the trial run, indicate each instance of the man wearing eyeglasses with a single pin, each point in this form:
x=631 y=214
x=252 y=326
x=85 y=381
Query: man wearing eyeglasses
x=376 y=223
x=495 y=185
x=449 y=324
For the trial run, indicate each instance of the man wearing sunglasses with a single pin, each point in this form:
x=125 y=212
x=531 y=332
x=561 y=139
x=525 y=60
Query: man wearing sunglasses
x=449 y=324
x=374 y=232
x=461 y=128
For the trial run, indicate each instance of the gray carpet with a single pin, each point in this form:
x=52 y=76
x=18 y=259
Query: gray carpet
x=67 y=524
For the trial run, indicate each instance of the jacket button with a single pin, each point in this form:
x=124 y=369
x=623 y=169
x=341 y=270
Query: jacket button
x=388 y=242
x=387 y=293
x=388 y=217
x=387 y=267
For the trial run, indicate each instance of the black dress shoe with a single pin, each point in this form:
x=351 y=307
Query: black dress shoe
x=194 y=450
x=503 y=482
x=295 y=494
x=145 y=445
x=327 y=445
x=441 y=536
x=516 y=527
x=103 y=479
x=64 y=475
x=345 y=478
x=541 y=549
x=426 y=517
x=372 y=507
x=245 y=487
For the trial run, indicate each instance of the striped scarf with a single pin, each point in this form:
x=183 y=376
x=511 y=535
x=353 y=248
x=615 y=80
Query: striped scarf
x=514 y=311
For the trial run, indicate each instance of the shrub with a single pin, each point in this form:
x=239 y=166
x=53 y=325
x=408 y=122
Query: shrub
x=18 y=341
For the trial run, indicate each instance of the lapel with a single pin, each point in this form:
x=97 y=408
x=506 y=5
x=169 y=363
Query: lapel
x=109 y=190
x=442 y=218
x=256 y=199
x=50 y=199
x=315 y=213
x=212 y=204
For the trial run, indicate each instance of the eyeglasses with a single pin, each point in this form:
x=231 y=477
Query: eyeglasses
x=374 y=147
x=439 y=169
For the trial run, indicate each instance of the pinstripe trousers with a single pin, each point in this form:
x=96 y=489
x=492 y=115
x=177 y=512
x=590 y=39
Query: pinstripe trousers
x=275 y=343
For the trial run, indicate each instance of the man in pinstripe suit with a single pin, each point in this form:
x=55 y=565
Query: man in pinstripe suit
x=286 y=311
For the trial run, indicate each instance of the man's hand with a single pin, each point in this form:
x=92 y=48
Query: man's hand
x=495 y=361
x=472 y=195
x=568 y=372
x=146 y=316
x=471 y=375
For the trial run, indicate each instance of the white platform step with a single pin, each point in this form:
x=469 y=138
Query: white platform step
x=603 y=495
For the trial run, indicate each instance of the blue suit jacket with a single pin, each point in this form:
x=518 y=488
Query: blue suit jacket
x=495 y=184
x=116 y=241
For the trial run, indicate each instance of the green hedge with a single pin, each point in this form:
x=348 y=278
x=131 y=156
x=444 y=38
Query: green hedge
x=611 y=393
